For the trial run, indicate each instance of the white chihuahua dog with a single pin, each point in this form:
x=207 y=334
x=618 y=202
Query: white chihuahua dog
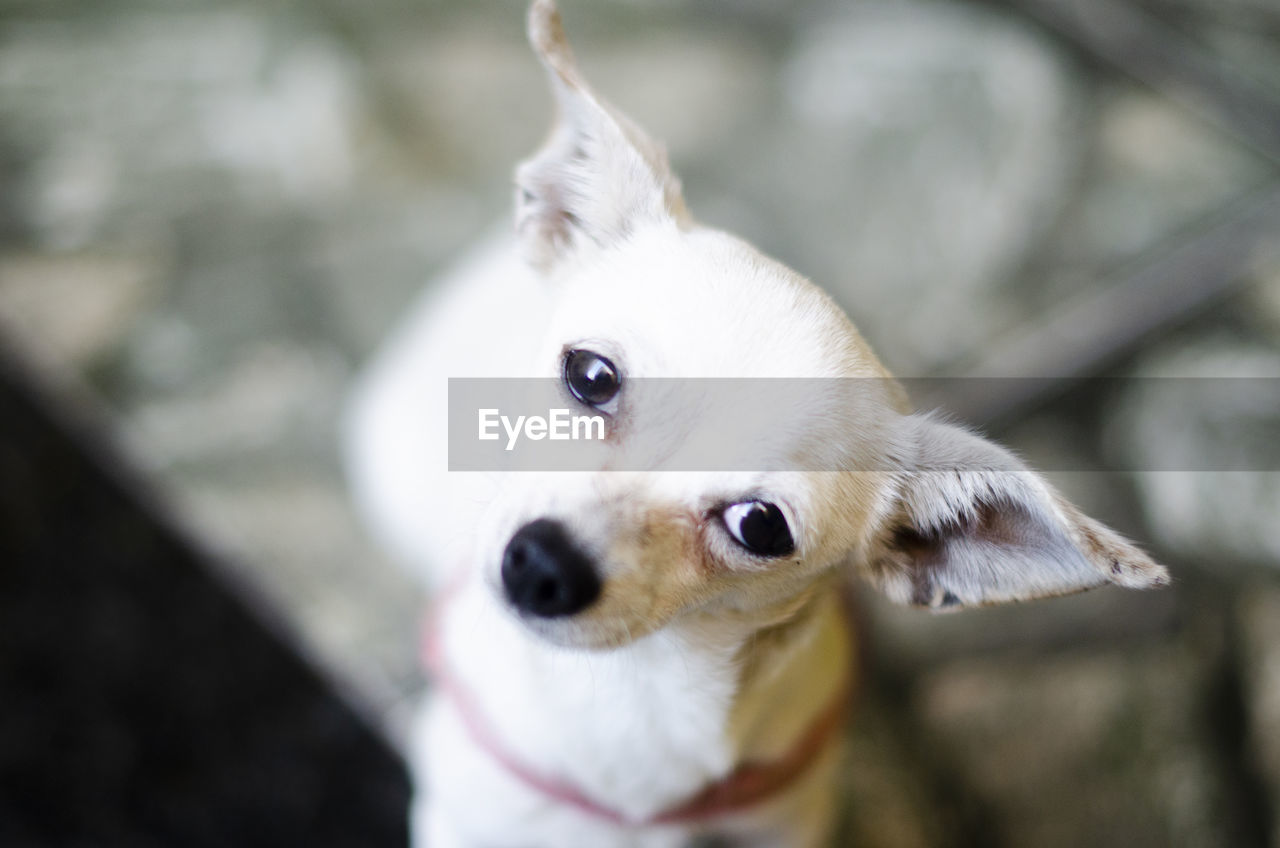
x=646 y=652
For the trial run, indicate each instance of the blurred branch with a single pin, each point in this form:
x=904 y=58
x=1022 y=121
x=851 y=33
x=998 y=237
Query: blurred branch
x=1141 y=45
x=1176 y=282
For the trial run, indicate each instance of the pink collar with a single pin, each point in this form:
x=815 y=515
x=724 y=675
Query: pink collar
x=749 y=784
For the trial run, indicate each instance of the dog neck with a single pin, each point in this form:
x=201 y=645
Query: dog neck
x=654 y=726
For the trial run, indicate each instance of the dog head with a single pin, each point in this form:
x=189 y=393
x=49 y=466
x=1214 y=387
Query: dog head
x=829 y=465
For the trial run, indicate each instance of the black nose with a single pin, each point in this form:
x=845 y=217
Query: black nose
x=544 y=574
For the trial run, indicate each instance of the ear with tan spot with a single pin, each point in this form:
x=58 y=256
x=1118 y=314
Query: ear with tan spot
x=598 y=176
x=971 y=525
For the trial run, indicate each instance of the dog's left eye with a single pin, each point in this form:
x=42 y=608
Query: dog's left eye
x=759 y=527
x=591 y=378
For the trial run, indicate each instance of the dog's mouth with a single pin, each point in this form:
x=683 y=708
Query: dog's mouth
x=584 y=634
x=597 y=627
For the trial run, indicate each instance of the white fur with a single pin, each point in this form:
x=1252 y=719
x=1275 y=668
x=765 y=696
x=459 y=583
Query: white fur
x=643 y=698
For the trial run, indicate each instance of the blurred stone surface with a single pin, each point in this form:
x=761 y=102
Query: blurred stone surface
x=923 y=149
x=273 y=400
x=1262 y=299
x=203 y=223
x=73 y=309
x=211 y=97
x=1200 y=434
x=1152 y=168
x=1105 y=748
x=1239 y=33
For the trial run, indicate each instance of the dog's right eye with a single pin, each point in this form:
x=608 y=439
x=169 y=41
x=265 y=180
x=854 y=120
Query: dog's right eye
x=759 y=527
x=591 y=378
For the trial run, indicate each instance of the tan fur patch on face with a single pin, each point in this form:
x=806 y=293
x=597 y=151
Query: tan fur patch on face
x=655 y=567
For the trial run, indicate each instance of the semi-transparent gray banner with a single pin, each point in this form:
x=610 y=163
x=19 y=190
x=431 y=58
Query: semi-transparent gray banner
x=713 y=424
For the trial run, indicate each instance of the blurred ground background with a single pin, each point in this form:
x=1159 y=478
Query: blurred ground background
x=210 y=213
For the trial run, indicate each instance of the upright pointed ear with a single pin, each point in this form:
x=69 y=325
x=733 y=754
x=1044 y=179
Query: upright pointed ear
x=971 y=525
x=598 y=177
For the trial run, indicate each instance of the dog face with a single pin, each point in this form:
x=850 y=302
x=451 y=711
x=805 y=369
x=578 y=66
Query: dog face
x=828 y=463
x=623 y=551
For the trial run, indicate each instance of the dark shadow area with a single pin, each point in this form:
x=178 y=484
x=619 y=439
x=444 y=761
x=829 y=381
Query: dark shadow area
x=143 y=704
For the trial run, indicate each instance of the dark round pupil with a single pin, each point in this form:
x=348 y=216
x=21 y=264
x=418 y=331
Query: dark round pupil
x=592 y=378
x=764 y=530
